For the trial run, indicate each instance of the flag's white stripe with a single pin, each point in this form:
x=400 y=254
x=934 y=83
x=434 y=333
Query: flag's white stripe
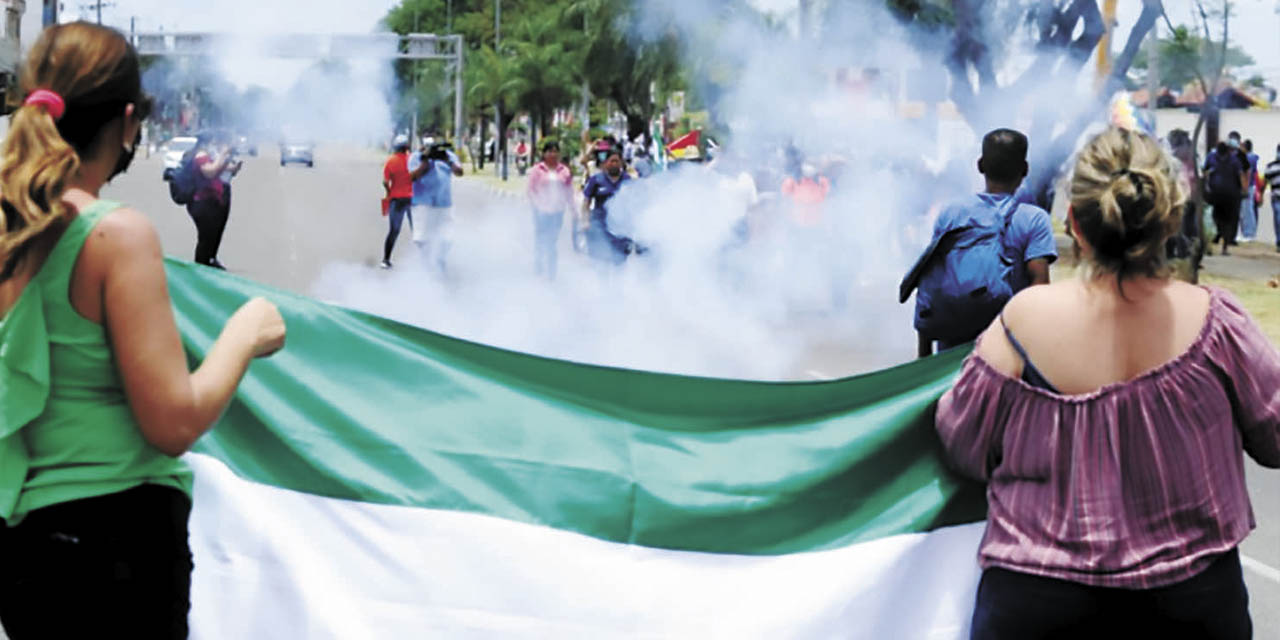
x=273 y=563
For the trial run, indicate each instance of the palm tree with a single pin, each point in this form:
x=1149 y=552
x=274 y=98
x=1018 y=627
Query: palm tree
x=548 y=69
x=494 y=79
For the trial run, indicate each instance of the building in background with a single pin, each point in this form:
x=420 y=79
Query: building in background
x=11 y=51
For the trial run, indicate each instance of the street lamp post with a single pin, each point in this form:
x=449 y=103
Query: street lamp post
x=500 y=147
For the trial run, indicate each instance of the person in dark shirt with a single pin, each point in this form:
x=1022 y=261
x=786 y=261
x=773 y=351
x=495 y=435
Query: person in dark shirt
x=1224 y=188
x=602 y=244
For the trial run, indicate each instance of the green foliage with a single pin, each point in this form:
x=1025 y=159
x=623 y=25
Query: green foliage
x=548 y=52
x=923 y=13
x=1182 y=54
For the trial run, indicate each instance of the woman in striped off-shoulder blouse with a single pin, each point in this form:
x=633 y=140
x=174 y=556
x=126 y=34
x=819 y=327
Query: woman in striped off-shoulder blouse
x=1110 y=416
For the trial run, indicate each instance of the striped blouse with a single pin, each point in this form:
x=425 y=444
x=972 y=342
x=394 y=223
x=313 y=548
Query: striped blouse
x=1138 y=484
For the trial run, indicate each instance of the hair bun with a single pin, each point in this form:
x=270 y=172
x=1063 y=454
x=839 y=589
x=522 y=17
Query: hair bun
x=1127 y=200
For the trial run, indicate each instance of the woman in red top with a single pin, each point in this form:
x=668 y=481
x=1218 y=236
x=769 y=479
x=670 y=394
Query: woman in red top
x=397 y=181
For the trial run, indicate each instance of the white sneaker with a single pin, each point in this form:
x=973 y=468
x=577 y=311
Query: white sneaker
x=385 y=264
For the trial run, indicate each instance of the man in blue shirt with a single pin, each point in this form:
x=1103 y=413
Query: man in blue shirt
x=434 y=167
x=1028 y=239
x=603 y=245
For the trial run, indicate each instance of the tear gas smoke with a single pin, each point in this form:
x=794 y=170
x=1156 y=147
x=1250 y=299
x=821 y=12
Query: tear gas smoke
x=786 y=301
x=789 y=298
x=343 y=93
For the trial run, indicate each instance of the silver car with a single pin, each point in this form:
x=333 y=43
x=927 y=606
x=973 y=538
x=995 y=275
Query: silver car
x=303 y=152
x=173 y=150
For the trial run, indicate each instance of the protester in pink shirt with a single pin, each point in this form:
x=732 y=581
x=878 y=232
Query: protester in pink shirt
x=550 y=194
x=807 y=194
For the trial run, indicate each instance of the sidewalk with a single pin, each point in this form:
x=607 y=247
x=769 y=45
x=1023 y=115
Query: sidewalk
x=513 y=187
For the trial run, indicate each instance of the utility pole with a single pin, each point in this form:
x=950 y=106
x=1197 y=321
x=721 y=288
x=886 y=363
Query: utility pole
x=96 y=4
x=500 y=145
x=1153 y=72
x=457 y=93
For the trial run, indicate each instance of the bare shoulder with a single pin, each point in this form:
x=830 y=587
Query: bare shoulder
x=1190 y=301
x=127 y=229
x=1189 y=293
x=1038 y=301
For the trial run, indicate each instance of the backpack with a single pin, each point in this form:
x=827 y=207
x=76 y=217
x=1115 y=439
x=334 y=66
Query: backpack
x=184 y=181
x=963 y=279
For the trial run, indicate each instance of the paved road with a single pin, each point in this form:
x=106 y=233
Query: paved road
x=317 y=231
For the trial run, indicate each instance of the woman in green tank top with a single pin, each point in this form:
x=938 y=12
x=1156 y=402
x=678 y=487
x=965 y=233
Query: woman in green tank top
x=96 y=400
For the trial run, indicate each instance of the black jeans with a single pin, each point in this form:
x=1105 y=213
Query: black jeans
x=1226 y=215
x=1212 y=605
x=112 y=566
x=210 y=217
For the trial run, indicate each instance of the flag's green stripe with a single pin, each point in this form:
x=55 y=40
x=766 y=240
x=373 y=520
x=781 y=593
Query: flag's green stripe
x=364 y=408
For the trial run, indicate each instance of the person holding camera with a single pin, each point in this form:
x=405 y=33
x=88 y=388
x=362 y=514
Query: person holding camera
x=433 y=170
x=210 y=206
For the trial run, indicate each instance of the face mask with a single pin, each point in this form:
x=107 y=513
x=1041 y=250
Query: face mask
x=1233 y=143
x=615 y=172
x=126 y=156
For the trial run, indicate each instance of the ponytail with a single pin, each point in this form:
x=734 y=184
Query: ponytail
x=35 y=165
x=76 y=79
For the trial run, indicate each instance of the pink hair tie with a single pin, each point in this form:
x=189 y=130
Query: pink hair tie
x=53 y=103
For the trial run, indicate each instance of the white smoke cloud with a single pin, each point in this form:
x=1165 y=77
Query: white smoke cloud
x=727 y=288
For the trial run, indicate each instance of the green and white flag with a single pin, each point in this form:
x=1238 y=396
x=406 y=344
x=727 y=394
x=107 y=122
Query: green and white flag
x=376 y=480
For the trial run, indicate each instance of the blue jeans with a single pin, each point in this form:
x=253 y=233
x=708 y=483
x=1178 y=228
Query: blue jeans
x=1275 y=217
x=1248 y=216
x=603 y=246
x=396 y=212
x=546 y=232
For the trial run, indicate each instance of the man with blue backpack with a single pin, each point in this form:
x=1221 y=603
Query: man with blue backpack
x=985 y=249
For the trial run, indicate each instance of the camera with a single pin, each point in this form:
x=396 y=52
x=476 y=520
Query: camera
x=438 y=151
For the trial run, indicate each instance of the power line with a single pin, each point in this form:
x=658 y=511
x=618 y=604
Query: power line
x=97 y=4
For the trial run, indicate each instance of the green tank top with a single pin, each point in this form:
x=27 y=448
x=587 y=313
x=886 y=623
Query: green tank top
x=66 y=430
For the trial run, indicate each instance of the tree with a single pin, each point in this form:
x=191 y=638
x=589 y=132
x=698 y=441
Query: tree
x=622 y=67
x=1066 y=32
x=493 y=79
x=548 y=70
x=1183 y=56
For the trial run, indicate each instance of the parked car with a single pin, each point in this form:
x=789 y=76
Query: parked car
x=297 y=151
x=245 y=146
x=174 y=149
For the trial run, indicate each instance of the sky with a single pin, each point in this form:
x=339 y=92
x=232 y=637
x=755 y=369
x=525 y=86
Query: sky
x=1256 y=26
x=234 y=16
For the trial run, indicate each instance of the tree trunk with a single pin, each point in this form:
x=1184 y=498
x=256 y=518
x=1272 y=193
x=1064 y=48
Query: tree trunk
x=484 y=129
x=534 y=121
